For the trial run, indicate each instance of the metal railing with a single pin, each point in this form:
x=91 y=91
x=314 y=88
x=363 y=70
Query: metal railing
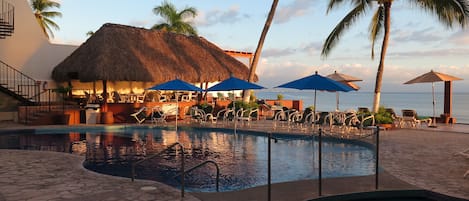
x=375 y=134
x=202 y=164
x=159 y=154
x=26 y=112
x=27 y=90
x=7 y=19
x=18 y=83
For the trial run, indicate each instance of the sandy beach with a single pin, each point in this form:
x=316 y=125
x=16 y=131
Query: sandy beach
x=411 y=159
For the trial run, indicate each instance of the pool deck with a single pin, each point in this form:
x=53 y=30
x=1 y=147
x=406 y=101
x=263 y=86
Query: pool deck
x=423 y=158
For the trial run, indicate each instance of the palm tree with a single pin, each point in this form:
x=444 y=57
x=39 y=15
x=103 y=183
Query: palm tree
x=174 y=20
x=257 y=54
x=449 y=12
x=43 y=15
x=90 y=33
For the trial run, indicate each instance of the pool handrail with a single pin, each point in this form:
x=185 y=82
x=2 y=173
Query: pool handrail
x=161 y=153
x=200 y=165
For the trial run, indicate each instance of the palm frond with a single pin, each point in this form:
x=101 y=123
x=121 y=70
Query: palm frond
x=51 y=23
x=43 y=15
x=376 y=27
x=162 y=26
x=166 y=11
x=50 y=4
x=174 y=20
x=50 y=14
x=343 y=25
x=333 y=4
x=449 y=12
x=336 y=3
x=188 y=12
x=49 y=33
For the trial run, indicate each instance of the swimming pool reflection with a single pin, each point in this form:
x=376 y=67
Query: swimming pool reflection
x=242 y=158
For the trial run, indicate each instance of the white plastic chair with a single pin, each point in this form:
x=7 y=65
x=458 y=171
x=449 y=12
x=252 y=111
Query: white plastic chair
x=138 y=115
x=253 y=114
x=157 y=115
x=197 y=115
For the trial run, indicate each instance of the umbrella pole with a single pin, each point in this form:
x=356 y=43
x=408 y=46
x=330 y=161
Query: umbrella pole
x=314 y=110
x=235 y=113
x=337 y=101
x=177 y=111
x=433 y=125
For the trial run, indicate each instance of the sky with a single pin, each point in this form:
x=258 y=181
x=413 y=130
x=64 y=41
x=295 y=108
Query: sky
x=418 y=42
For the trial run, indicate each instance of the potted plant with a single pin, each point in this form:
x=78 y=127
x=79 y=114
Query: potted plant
x=63 y=91
x=383 y=118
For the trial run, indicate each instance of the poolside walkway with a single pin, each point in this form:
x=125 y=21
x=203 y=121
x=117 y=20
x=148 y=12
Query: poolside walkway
x=41 y=175
x=412 y=159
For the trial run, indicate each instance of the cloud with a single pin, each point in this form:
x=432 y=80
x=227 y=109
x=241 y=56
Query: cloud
x=424 y=35
x=272 y=74
x=460 y=38
x=276 y=73
x=139 y=23
x=313 y=48
x=213 y=17
x=431 y=53
x=273 y=52
x=295 y=9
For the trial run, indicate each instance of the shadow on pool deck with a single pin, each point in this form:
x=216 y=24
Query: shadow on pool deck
x=308 y=189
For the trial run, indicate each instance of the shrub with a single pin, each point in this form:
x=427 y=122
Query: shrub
x=241 y=104
x=207 y=108
x=383 y=116
x=279 y=97
x=252 y=96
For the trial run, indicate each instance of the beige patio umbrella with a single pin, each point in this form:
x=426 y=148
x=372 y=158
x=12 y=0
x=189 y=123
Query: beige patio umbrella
x=345 y=79
x=432 y=77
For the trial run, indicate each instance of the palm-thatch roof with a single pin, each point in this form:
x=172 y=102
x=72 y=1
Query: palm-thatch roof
x=124 y=53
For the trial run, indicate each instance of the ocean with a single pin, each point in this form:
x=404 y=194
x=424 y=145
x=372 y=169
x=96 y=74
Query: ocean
x=419 y=101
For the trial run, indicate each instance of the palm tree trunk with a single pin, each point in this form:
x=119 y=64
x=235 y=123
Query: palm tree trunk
x=257 y=54
x=384 y=47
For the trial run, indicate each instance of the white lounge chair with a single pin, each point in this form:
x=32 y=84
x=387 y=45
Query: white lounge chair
x=409 y=119
x=221 y=115
x=157 y=115
x=197 y=115
x=253 y=114
x=140 y=115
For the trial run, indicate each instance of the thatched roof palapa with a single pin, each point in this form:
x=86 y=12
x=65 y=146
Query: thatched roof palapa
x=124 y=53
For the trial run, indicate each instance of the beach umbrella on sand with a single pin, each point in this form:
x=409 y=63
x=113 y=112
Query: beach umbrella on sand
x=344 y=79
x=316 y=82
x=232 y=84
x=176 y=85
x=432 y=77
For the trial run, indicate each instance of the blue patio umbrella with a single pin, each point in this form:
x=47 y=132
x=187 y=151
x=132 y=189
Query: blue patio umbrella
x=176 y=85
x=316 y=82
x=232 y=84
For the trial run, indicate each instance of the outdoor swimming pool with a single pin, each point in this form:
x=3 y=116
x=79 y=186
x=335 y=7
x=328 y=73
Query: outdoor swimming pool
x=242 y=157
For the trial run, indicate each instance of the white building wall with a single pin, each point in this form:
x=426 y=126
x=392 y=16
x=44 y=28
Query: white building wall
x=28 y=49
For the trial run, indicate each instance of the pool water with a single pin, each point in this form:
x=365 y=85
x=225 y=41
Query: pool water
x=242 y=158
